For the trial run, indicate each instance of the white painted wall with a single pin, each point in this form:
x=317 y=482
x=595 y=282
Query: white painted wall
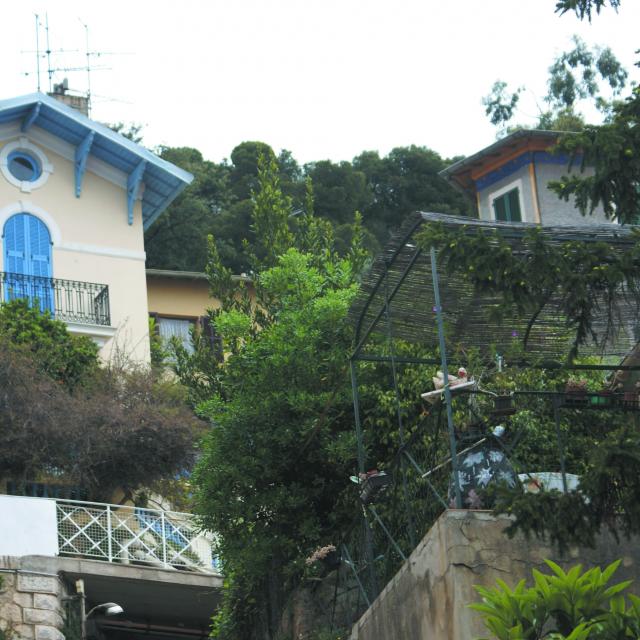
x=28 y=527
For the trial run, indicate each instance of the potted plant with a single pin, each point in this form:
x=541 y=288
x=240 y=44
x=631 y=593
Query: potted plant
x=575 y=393
x=603 y=398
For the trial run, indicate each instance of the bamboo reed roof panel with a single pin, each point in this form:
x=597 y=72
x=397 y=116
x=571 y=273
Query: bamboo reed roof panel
x=402 y=272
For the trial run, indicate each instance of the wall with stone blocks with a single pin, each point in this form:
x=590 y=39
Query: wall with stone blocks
x=428 y=597
x=30 y=603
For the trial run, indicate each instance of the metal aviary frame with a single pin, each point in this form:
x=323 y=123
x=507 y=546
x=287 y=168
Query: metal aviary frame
x=390 y=307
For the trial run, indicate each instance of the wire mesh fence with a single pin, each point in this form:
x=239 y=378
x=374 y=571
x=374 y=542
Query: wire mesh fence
x=124 y=534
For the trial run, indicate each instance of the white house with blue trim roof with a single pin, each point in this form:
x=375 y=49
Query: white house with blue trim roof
x=75 y=199
x=509 y=180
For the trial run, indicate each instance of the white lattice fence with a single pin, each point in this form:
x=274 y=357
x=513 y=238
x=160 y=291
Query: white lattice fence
x=129 y=534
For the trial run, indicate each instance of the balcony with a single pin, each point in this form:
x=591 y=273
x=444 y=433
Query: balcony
x=72 y=301
x=106 y=532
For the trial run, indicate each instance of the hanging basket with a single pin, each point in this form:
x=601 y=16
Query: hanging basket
x=373 y=486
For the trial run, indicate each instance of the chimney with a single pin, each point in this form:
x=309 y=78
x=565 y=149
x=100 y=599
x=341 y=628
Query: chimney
x=79 y=103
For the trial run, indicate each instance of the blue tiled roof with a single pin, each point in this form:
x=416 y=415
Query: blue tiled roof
x=163 y=181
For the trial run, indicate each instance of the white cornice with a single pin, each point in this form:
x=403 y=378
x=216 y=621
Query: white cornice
x=97 y=250
x=99 y=333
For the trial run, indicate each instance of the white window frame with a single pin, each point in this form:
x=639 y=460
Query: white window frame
x=23 y=144
x=516 y=184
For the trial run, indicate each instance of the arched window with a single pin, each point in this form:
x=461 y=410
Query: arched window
x=27 y=260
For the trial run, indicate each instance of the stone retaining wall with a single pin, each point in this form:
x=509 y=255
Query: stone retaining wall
x=429 y=596
x=30 y=603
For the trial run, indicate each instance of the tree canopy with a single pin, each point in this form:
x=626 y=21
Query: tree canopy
x=64 y=419
x=576 y=76
x=220 y=200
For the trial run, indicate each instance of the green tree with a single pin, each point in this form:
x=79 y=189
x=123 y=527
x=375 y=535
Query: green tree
x=177 y=239
x=575 y=76
x=585 y=8
x=270 y=216
x=65 y=419
x=131 y=130
x=71 y=360
x=611 y=149
x=404 y=181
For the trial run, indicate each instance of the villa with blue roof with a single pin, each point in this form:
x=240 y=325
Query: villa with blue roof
x=509 y=181
x=75 y=199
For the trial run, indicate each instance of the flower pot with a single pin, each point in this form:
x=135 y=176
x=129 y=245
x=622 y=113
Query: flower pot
x=601 y=400
x=374 y=486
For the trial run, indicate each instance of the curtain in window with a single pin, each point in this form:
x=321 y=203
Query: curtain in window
x=169 y=328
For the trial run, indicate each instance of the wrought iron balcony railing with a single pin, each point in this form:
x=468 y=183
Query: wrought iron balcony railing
x=124 y=534
x=67 y=300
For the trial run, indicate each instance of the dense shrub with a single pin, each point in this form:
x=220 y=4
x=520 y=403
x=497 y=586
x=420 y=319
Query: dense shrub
x=65 y=419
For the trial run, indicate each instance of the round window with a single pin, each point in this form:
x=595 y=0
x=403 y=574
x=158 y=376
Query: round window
x=23 y=166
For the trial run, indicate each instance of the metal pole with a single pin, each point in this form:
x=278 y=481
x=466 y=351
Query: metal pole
x=393 y=542
x=38 y=50
x=164 y=540
x=556 y=416
x=356 y=412
x=425 y=476
x=445 y=372
x=355 y=574
x=109 y=535
x=394 y=375
x=83 y=607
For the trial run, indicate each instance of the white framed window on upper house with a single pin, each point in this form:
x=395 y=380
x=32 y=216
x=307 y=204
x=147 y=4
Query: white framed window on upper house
x=24 y=165
x=507 y=204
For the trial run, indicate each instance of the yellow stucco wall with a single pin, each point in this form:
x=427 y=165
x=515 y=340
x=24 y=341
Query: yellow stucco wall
x=184 y=297
x=92 y=240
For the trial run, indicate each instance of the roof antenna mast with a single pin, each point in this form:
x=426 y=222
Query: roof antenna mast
x=49 y=69
x=38 y=49
x=86 y=32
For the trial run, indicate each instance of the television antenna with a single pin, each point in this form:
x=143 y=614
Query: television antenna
x=89 y=67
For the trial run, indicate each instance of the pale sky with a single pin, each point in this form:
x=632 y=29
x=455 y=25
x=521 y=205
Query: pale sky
x=325 y=79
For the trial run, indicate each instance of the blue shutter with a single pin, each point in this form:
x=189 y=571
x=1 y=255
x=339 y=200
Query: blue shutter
x=27 y=253
x=39 y=248
x=15 y=257
x=14 y=244
x=39 y=262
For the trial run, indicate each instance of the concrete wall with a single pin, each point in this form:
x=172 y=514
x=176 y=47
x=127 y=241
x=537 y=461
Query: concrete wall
x=92 y=240
x=555 y=211
x=33 y=529
x=428 y=597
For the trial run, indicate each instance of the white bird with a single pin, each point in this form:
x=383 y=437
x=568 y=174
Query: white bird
x=461 y=378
